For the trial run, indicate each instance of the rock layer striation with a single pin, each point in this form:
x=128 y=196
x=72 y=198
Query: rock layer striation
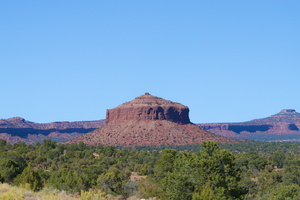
x=148 y=107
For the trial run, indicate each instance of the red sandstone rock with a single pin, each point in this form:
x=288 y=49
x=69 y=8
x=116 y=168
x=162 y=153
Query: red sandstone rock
x=148 y=107
x=148 y=121
x=148 y=133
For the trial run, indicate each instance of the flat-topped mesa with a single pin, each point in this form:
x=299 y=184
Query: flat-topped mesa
x=287 y=111
x=148 y=121
x=148 y=107
x=284 y=116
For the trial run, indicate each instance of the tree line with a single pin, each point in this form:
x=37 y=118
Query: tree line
x=210 y=171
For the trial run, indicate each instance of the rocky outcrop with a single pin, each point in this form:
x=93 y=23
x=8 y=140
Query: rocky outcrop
x=148 y=107
x=18 y=129
x=148 y=121
x=286 y=122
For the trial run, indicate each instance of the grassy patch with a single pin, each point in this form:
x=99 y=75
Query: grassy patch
x=8 y=192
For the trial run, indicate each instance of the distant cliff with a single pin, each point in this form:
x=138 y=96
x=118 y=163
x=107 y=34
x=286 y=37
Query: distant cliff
x=18 y=129
x=281 y=125
x=147 y=116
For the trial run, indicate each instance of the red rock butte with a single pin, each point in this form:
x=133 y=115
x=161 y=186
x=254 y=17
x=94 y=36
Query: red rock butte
x=148 y=107
x=148 y=121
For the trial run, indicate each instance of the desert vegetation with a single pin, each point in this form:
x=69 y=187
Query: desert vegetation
x=50 y=170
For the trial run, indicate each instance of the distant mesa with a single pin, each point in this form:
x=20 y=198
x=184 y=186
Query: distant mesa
x=285 y=124
x=288 y=111
x=18 y=129
x=284 y=116
x=148 y=121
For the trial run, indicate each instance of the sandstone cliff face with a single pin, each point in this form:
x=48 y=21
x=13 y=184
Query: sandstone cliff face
x=148 y=121
x=148 y=107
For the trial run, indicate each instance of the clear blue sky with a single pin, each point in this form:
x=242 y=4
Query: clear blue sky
x=228 y=61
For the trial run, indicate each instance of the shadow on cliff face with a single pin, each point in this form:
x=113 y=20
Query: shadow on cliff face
x=179 y=116
x=293 y=127
x=251 y=129
x=23 y=132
